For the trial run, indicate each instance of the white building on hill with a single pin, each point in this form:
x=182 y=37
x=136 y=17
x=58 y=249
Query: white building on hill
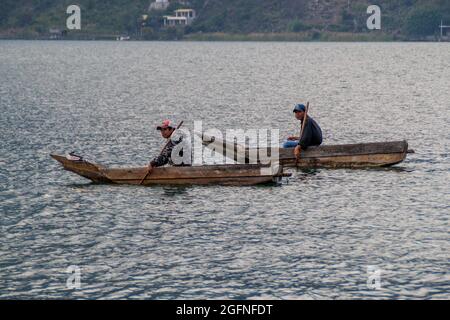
x=182 y=17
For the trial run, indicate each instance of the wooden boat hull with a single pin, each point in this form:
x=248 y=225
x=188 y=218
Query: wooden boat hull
x=362 y=155
x=200 y=175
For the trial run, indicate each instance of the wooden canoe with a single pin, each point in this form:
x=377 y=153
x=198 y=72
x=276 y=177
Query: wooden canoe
x=244 y=174
x=362 y=155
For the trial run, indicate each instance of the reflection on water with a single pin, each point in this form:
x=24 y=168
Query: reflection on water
x=312 y=237
x=175 y=190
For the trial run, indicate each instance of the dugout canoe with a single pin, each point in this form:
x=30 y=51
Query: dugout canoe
x=244 y=174
x=361 y=155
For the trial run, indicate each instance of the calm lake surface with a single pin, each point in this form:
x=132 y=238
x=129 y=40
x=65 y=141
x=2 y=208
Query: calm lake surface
x=314 y=236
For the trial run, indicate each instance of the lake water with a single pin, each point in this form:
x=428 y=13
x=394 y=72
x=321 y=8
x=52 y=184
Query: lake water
x=321 y=234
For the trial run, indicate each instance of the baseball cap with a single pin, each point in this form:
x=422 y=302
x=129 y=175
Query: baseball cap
x=300 y=108
x=165 y=124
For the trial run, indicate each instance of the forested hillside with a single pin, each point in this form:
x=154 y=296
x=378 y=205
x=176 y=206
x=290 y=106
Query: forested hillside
x=404 y=19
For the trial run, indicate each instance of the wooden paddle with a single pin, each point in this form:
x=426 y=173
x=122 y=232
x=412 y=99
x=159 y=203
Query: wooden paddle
x=304 y=120
x=303 y=127
x=168 y=140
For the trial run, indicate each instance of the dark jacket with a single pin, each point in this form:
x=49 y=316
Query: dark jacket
x=312 y=135
x=166 y=155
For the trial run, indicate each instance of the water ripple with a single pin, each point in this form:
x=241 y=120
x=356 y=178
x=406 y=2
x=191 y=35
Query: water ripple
x=312 y=237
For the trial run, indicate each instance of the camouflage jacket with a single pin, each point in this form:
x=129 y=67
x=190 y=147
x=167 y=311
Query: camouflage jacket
x=166 y=155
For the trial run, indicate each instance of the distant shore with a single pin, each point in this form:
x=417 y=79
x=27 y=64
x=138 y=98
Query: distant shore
x=306 y=36
x=292 y=36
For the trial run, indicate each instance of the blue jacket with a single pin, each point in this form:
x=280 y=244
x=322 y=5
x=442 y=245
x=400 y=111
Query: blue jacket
x=312 y=135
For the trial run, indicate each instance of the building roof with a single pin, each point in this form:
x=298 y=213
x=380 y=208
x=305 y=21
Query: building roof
x=184 y=10
x=175 y=18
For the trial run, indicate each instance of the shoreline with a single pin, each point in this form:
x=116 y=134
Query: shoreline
x=307 y=36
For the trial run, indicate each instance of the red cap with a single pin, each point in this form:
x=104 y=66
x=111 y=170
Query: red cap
x=165 y=124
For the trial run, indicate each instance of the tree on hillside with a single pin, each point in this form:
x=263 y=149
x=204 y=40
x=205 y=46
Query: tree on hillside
x=423 y=21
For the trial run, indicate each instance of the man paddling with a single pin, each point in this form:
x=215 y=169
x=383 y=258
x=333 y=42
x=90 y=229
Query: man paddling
x=165 y=157
x=312 y=134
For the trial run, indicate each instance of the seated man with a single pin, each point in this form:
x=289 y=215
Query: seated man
x=165 y=157
x=312 y=134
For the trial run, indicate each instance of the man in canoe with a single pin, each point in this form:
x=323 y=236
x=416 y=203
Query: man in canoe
x=312 y=134
x=165 y=157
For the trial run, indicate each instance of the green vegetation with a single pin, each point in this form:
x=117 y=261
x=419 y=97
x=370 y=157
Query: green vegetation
x=35 y=17
x=422 y=21
x=290 y=20
x=297 y=26
x=291 y=36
